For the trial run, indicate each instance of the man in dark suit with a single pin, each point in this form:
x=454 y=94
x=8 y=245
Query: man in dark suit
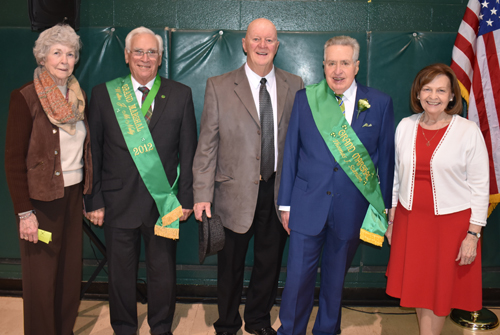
x=244 y=124
x=133 y=180
x=322 y=194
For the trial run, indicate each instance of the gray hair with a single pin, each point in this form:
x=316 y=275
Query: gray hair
x=344 y=40
x=58 y=34
x=143 y=30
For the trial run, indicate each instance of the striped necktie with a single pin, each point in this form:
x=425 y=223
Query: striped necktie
x=341 y=102
x=267 y=132
x=149 y=113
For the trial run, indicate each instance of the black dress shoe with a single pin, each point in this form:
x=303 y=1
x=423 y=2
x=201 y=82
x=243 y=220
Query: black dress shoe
x=262 y=331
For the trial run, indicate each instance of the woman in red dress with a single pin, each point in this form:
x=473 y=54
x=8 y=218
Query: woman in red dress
x=440 y=203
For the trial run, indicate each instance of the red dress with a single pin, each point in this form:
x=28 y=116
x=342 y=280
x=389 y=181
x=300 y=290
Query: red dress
x=422 y=270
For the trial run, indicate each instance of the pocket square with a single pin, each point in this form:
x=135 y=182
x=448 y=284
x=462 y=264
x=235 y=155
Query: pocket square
x=367 y=125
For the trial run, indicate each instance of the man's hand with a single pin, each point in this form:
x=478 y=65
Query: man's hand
x=28 y=228
x=285 y=217
x=388 y=233
x=185 y=214
x=199 y=207
x=96 y=217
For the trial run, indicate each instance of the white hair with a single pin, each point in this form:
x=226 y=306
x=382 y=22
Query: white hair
x=58 y=34
x=344 y=40
x=143 y=30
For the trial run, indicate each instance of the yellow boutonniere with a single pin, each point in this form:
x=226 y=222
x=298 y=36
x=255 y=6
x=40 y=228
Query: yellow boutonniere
x=363 y=105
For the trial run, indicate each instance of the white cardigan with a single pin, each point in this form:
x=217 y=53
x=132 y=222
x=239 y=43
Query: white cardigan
x=459 y=169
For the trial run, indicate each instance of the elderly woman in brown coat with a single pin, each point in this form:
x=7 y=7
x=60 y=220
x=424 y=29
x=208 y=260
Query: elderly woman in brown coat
x=48 y=168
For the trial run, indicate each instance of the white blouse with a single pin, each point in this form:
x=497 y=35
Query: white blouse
x=459 y=169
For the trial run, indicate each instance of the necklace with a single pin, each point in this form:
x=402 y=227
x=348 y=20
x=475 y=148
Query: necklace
x=429 y=141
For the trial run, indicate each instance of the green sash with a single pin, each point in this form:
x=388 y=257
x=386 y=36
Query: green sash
x=352 y=156
x=143 y=151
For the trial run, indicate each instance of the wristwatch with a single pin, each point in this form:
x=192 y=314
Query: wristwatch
x=478 y=235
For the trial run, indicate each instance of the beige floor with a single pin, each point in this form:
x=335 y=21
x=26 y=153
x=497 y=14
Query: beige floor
x=197 y=319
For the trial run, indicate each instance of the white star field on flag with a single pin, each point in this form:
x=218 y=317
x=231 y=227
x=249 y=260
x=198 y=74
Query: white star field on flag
x=488 y=18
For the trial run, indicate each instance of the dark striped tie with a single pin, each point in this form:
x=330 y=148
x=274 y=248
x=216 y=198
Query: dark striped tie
x=267 y=132
x=149 y=113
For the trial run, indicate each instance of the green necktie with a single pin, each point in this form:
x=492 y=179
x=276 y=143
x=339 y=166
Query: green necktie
x=341 y=102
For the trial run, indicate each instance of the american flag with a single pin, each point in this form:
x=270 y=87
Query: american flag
x=475 y=61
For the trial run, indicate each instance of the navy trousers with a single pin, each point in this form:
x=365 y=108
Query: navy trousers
x=303 y=259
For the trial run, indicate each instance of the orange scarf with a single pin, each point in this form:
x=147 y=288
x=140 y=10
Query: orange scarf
x=61 y=112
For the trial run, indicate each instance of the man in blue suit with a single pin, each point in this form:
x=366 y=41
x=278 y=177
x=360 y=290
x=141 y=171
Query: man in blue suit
x=330 y=160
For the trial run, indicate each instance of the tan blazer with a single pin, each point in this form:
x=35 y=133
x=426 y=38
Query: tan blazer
x=226 y=168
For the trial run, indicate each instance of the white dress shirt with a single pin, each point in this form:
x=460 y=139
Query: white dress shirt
x=254 y=81
x=349 y=99
x=138 y=94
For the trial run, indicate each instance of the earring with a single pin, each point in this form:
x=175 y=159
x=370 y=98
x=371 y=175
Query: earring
x=451 y=99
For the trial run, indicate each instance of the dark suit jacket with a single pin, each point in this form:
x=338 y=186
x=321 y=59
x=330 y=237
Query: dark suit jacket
x=117 y=185
x=311 y=176
x=227 y=166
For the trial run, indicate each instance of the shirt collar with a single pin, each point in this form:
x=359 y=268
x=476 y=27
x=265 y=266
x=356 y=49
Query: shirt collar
x=350 y=93
x=136 y=85
x=254 y=78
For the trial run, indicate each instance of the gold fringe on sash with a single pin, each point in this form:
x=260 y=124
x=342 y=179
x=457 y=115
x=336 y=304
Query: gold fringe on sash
x=163 y=230
x=371 y=238
x=166 y=232
x=172 y=216
x=494 y=200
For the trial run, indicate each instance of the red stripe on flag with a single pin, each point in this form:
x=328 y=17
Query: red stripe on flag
x=465 y=46
x=483 y=119
x=471 y=19
x=461 y=75
x=494 y=69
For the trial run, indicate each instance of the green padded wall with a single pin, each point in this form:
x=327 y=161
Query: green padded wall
x=389 y=62
x=397 y=38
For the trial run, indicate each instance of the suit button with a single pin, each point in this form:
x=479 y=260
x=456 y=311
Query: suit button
x=58 y=173
x=258 y=157
x=54 y=131
x=55 y=152
x=258 y=132
x=336 y=169
x=328 y=192
x=256 y=182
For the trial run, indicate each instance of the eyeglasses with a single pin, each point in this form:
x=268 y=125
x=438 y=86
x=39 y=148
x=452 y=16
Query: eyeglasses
x=152 y=54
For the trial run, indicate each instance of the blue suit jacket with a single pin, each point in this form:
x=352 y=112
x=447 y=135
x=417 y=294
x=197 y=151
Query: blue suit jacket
x=311 y=177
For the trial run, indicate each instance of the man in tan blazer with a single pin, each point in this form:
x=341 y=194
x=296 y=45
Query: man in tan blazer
x=237 y=168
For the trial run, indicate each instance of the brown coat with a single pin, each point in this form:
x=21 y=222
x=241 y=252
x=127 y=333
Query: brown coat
x=32 y=159
x=226 y=167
